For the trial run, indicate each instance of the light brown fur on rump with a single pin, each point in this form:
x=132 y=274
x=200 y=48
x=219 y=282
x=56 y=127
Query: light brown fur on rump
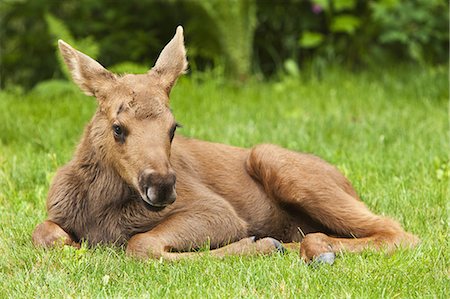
x=120 y=187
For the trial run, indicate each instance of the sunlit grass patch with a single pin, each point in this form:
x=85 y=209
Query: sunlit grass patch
x=386 y=131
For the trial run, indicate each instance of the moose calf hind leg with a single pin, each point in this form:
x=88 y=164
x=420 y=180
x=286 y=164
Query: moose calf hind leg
x=316 y=245
x=321 y=191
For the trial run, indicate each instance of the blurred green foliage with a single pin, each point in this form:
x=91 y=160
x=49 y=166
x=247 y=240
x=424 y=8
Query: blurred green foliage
x=235 y=22
x=242 y=37
x=59 y=30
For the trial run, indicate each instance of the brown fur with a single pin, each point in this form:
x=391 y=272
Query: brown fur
x=119 y=188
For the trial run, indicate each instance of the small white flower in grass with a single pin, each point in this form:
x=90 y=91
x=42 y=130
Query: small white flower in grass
x=105 y=279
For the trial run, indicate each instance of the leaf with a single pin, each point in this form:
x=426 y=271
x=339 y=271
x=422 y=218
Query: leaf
x=394 y=36
x=340 y=5
x=345 y=23
x=291 y=68
x=311 y=39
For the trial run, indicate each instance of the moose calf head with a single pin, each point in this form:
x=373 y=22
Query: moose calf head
x=133 y=127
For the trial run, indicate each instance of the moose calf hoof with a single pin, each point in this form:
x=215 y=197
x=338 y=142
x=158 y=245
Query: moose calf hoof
x=269 y=245
x=325 y=258
x=280 y=248
x=142 y=247
x=313 y=245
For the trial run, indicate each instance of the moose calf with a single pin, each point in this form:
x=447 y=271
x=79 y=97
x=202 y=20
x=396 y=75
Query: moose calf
x=132 y=182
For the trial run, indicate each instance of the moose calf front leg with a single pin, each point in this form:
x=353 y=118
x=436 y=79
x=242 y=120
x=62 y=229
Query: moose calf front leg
x=50 y=234
x=194 y=229
x=144 y=246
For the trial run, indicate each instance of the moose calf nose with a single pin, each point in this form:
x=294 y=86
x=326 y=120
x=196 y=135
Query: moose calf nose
x=158 y=189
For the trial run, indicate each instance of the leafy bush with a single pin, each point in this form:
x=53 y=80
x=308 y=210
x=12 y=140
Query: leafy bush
x=26 y=50
x=417 y=28
x=241 y=37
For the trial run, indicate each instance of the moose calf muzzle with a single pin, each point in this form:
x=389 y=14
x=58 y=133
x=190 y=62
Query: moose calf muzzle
x=158 y=190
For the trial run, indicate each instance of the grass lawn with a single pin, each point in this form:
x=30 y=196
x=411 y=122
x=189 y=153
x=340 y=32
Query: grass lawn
x=387 y=131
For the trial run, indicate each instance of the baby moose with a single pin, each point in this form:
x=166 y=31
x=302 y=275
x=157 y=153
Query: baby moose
x=133 y=183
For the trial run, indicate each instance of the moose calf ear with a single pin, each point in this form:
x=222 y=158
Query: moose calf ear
x=172 y=61
x=87 y=73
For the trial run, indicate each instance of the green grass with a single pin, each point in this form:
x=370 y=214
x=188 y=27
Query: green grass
x=387 y=131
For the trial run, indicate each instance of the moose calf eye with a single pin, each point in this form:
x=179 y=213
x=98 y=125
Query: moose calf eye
x=118 y=132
